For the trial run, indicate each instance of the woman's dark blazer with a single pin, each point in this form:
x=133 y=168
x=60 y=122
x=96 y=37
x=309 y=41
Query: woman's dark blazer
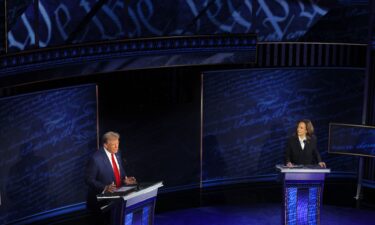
x=296 y=155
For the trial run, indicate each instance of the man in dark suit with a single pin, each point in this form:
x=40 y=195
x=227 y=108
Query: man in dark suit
x=301 y=148
x=105 y=173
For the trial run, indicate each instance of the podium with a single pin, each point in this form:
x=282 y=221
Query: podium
x=302 y=194
x=132 y=205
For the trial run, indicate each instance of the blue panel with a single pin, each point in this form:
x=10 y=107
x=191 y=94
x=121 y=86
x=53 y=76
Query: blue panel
x=129 y=219
x=302 y=206
x=45 y=139
x=146 y=215
x=314 y=204
x=291 y=205
x=249 y=114
x=118 y=19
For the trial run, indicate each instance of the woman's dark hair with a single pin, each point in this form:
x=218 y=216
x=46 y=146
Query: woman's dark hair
x=309 y=128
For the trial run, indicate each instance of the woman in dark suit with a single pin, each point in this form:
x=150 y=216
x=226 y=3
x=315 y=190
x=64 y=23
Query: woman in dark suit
x=301 y=147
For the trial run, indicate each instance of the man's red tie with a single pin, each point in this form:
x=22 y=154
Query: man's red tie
x=116 y=172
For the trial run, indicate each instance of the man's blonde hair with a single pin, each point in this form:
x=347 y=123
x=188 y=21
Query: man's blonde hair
x=110 y=135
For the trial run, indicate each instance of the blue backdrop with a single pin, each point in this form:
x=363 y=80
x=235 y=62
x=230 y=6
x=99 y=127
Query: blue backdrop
x=249 y=114
x=45 y=138
x=119 y=19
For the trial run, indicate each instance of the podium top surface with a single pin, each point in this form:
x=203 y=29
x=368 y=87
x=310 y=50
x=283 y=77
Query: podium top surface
x=149 y=189
x=302 y=169
x=131 y=191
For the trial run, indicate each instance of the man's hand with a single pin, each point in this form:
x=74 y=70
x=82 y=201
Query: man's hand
x=130 y=180
x=110 y=188
x=322 y=164
x=289 y=164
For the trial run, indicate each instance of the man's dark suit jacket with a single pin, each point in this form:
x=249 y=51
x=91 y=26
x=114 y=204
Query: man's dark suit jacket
x=308 y=156
x=99 y=173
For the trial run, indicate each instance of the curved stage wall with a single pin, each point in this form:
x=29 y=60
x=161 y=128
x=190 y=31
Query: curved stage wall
x=54 y=23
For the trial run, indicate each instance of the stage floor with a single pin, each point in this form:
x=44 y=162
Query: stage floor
x=259 y=214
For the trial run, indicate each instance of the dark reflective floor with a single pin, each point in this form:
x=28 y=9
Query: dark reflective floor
x=247 y=203
x=259 y=214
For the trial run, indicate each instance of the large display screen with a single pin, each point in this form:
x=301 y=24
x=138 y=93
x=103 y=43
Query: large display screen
x=46 y=139
x=351 y=139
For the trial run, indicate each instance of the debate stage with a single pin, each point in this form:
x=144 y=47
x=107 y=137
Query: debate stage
x=245 y=204
x=204 y=95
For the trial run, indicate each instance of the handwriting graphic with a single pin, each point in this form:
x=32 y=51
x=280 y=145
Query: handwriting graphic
x=45 y=139
x=271 y=20
x=249 y=114
x=352 y=140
